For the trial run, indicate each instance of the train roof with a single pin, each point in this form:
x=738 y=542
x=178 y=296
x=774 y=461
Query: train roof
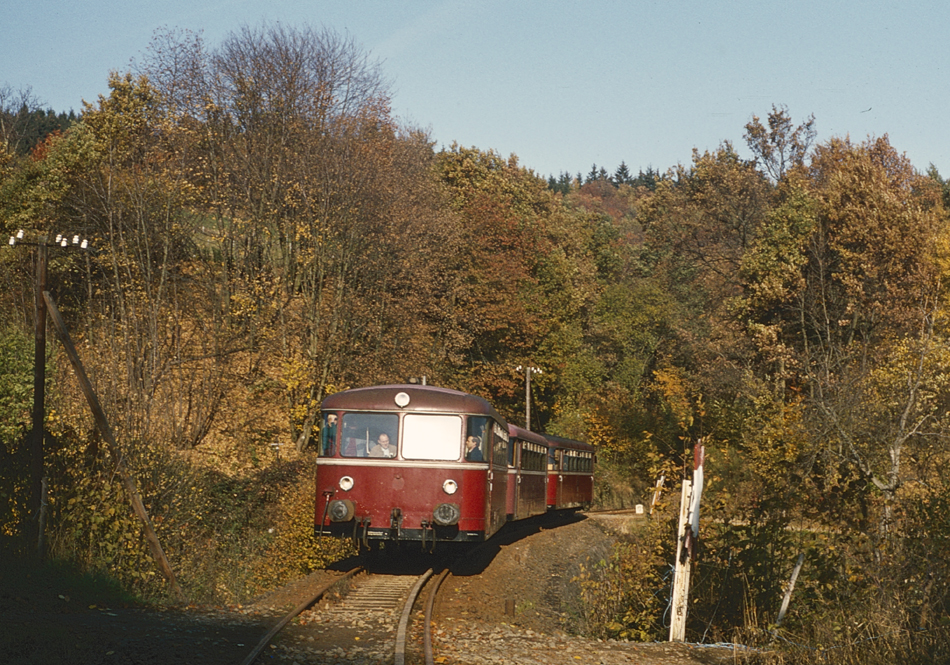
x=561 y=442
x=420 y=398
x=526 y=435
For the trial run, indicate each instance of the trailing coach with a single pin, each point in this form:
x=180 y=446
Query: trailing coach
x=570 y=474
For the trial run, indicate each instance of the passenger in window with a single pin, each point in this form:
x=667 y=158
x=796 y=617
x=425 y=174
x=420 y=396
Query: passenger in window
x=329 y=435
x=473 y=452
x=382 y=447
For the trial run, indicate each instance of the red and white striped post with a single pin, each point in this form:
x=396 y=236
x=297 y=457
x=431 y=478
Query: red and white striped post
x=686 y=541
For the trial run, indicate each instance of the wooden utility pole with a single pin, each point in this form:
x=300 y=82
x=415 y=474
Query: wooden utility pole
x=34 y=527
x=39 y=398
x=528 y=371
x=103 y=424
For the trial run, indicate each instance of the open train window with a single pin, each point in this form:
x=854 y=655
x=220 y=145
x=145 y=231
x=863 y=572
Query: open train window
x=570 y=461
x=532 y=456
x=500 y=444
x=361 y=433
x=431 y=437
x=328 y=434
x=478 y=434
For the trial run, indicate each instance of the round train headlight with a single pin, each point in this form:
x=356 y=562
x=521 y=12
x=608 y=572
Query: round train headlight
x=450 y=487
x=346 y=483
x=341 y=510
x=446 y=514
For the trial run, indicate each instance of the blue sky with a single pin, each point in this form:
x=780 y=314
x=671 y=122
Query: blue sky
x=562 y=84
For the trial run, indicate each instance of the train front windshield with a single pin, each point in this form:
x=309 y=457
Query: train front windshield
x=433 y=437
x=369 y=435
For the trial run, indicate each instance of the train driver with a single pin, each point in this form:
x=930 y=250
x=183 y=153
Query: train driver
x=382 y=447
x=473 y=452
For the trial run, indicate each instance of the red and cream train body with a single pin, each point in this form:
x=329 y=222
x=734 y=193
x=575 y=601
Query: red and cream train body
x=421 y=463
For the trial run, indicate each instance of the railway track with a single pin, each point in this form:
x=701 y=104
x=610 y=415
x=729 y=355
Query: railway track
x=369 y=623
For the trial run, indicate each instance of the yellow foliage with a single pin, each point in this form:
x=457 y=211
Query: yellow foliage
x=674 y=388
x=295 y=550
x=620 y=596
x=601 y=434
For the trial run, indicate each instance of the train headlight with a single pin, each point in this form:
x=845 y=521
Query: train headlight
x=446 y=514
x=346 y=483
x=341 y=510
x=450 y=487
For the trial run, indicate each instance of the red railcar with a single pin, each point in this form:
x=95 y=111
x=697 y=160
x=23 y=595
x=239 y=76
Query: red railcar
x=570 y=473
x=527 y=474
x=409 y=462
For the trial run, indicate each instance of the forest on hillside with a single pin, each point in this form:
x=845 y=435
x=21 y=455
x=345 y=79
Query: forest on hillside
x=265 y=233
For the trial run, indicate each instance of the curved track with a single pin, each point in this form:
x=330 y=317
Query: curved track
x=427 y=629
x=372 y=618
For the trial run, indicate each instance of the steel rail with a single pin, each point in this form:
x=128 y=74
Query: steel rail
x=427 y=634
x=400 y=657
x=251 y=657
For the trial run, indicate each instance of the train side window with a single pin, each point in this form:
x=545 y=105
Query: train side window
x=501 y=445
x=328 y=435
x=532 y=457
x=479 y=429
x=360 y=432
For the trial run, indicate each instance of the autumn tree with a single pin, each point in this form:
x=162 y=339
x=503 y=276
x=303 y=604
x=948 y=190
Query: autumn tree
x=846 y=299
x=322 y=207
x=502 y=209
x=780 y=146
x=698 y=225
x=120 y=184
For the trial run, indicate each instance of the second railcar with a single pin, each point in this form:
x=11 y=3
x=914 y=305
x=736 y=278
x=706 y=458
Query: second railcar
x=527 y=475
x=411 y=463
x=570 y=473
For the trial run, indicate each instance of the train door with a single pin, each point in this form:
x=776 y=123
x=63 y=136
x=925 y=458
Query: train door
x=551 y=488
x=519 y=482
x=514 y=478
x=498 y=477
